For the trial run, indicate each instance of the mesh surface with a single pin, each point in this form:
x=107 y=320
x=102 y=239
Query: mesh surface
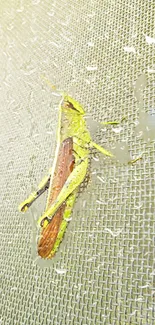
x=102 y=53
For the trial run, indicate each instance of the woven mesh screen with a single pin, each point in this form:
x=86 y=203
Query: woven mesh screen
x=101 y=53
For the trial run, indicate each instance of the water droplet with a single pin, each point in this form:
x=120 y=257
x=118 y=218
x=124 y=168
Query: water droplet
x=91 y=44
x=151 y=70
x=95 y=158
x=121 y=152
x=129 y=49
x=117 y=129
x=35 y=2
x=149 y=40
x=145 y=286
x=51 y=13
x=140 y=299
x=140 y=85
x=68 y=219
x=61 y=271
x=146 y=127
x=89 y=68
x=91 y=15
x=101 y=179
x=100 y=202
x=114 y=233
x=139 y=205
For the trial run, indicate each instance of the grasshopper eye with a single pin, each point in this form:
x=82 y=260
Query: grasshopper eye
x=69 y=105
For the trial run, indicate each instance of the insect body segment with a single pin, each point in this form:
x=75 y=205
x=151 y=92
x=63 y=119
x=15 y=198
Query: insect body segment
x=70 y=167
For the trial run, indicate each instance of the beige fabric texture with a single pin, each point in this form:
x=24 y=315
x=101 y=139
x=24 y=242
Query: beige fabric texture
x=102 y=54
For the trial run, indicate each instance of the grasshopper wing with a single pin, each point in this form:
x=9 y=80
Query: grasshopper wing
x=64 y=166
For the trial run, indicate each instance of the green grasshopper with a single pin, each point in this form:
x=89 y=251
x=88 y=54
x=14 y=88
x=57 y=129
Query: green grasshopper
x=74 y=144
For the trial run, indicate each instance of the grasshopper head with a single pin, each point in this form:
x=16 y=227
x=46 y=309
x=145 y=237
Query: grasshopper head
x=70 y=104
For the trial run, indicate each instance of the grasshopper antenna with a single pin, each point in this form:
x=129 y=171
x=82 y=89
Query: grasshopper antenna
x=53 y=87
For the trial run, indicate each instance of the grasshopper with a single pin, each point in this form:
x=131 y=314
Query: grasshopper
x=74 y=144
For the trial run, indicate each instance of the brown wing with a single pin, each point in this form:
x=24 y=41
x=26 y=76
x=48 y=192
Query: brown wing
x=64 y=166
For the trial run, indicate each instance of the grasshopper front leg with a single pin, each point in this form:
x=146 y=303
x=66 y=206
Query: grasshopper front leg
x=42 y=187
x=101 y=149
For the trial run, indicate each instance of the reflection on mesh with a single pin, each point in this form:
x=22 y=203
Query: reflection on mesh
x=95 y=50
